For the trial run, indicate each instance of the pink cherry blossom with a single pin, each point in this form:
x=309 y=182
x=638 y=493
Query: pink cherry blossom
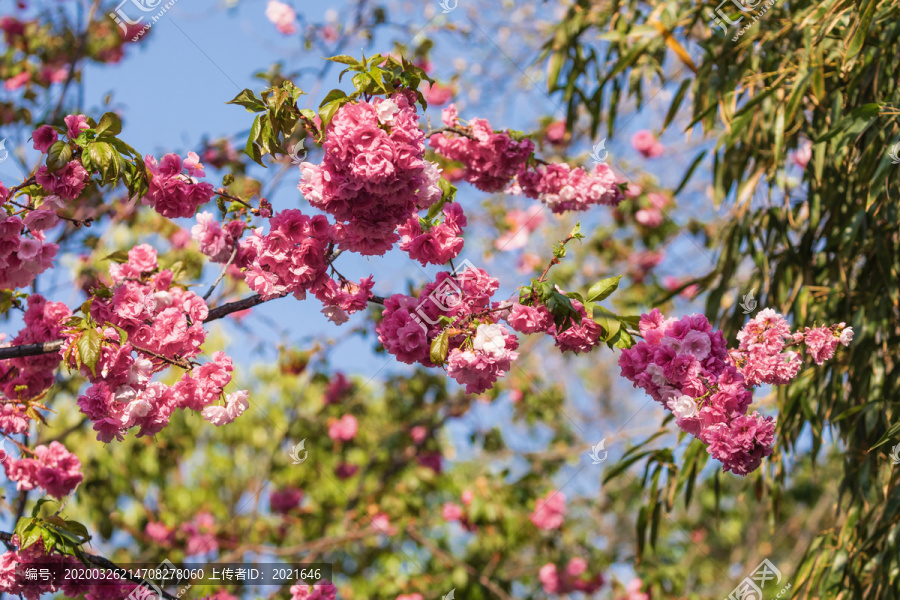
x=646 y=143
x=283 y=16
x=343 y=429
x=44 y=136
x=550 y=511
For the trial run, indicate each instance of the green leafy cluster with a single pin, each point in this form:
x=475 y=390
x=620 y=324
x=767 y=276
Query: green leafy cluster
x=377 y=75
x=100 y=151
x=86 y=348
x=271 y=130
x=64 y=536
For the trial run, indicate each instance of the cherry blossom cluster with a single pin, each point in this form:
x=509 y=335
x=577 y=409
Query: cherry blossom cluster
x=291 y=259
x=322 y=590
x=373 y=176
x=54 y=469
x=285 y=500
x=522 y=223
x=647 y=144
x=68 y=181
x=282 y=16
x=174 y=188
x=198 y=536
x=35 y=554
x=563 y=188
x=687 y=367
x=341 y=299
x=164 y=325
x=436 y=244
x=549 y=511
x=577 y=338
x=574 y=578
x=452 y=512
x=761 y=355
x=337 y=388
x=683 y=364
x=481 y=350
x=215 y=241
x=27 y=377
x=491 y=159
x=24 y=251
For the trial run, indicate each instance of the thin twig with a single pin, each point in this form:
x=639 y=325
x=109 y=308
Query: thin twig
x=222 y=274
x=447 y=557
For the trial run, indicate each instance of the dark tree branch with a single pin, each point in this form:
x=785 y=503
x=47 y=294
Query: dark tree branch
x=214 y=315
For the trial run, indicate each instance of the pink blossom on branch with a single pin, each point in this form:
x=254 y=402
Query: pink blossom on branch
x=549 y=511
x=437 y=245
x=563 y=188
x=164 y=325
x=283 y=16
x=374 y=175
x=54 y=469
x=686 y=366
x=646 y=143
x=491 y=159
x=343 y=429
x=174 y=191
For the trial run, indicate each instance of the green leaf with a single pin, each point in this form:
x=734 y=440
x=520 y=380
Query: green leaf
x=440 y=346
x=119 y=256
x=58 y=155
x=690 y=171
x=858 y=117
x=89 y=345
x=332 y=96
x=249 y=101
x=890 y=433
x=49 y=539
x=110 y=124
x=37 y=506
x=78 y=529
x=31 y=536
x=603 y=288
x=104 y=159
x=607 y=320
x=23 y=525
x=676 y=102
x=327 y=112
x=641 y=527
x=6 y=298
x=623 y=340
x=252 y=149
x=346 y=60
